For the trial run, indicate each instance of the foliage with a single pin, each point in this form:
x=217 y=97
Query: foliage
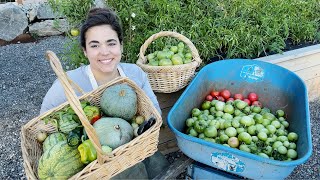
x=219 y=28
x=75 y=13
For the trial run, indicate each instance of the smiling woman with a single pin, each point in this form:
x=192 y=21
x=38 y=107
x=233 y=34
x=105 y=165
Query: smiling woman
x=101 y=41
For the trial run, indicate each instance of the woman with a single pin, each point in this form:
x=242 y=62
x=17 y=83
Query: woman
x=101 y=39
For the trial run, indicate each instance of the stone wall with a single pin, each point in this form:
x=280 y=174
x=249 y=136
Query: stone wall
x=33 y=17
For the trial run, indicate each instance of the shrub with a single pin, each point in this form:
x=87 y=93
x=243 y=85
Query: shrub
x=219 y=28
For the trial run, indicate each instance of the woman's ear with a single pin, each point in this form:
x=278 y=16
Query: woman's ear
x=121 y=48
x=84 y=52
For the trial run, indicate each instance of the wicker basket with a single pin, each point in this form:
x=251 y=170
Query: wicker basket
x=168 y=79
x=106 y=166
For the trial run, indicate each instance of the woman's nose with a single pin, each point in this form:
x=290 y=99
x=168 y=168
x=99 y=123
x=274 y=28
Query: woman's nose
x=104 y=50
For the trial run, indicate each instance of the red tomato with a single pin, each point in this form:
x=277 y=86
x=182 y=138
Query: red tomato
x=214 y=93
x=257 y=103
x=220 y=98
x=247 y=101
x=238 y=96
x=253 y=97
x=209 y=98
x=225 y=94
x=230 y=99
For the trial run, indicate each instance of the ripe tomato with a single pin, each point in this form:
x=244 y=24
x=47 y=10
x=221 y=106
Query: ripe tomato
x=253 y=97
x=225 y=94
x=209 y=98
x=214 y=93
x=247 y=101
x=230 y=99
x=238 y=96
x=257 y=103
x=220 y=98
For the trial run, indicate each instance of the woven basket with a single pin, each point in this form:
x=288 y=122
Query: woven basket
x=168 y=79
x=106 y=166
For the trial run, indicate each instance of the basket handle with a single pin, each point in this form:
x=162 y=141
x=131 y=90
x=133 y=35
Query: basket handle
x=194 y=51
x=74 y=102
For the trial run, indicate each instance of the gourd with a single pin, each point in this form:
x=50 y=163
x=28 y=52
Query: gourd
x=53 y=139
x=59 y=162
x=119 y=100
x=113 y=132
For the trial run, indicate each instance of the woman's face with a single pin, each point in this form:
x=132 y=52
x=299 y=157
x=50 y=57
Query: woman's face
x=103 y=48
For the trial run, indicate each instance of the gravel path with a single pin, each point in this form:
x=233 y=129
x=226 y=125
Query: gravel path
x=25 y=77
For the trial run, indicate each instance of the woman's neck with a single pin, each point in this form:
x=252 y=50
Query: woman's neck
x=103 y=78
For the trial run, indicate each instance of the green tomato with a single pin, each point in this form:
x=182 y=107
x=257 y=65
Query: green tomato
x=190 y=122
x=196 y=112
x=176 y=59
x=206 y=105
x=245 y=137
x=276 y=124
x=200 y=126
x=268 y=150
x=227 y=123
x=223 y=138
x=280 y=113
x=228 y=108
x=227 y=116
x=292 y=154
x=235 y=123
x=263 y=155
x=237 y=112
x=209 y=139
x=193 y=132
x=181 y=45
x=292 y=136
x=285 y=124
x=271 y=129
x=241 y=104
x=282 y=149
x=231 y=132
x=246 y=121
x=276 y=144
x=266 y=122
x=256 y=109
x=262 y=136
x=211 y=132
x=252 y=130
x=220 y=105
x=292 y=145
x=258 y=118
x=201 y=136
x=255 y=138
x=240 y=130
x=215 y=123
x=244 y=147
x=219 y=114
x=282 y=138
x=174 y=49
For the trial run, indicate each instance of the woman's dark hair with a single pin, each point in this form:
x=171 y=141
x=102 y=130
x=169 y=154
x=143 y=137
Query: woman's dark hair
x=101 y=16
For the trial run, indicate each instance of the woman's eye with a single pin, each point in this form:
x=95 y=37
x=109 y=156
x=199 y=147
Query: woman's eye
x=94 y=46
x=112 y=44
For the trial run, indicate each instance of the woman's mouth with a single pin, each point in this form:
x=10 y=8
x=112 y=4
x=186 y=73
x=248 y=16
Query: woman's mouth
x=105 y=61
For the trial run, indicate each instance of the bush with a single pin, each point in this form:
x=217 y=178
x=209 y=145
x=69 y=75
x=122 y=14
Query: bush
x=219 y=28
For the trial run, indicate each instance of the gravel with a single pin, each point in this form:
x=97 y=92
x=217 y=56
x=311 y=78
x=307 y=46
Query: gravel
x=25 y=77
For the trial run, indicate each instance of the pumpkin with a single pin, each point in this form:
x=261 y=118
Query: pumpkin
x=113 y=132
x=53 y=139
x=120 y=101
x=59 y=162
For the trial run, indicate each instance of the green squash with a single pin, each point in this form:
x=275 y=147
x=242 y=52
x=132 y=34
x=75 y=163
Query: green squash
x=113 y=132
x=119 y=101
x=59 y=162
